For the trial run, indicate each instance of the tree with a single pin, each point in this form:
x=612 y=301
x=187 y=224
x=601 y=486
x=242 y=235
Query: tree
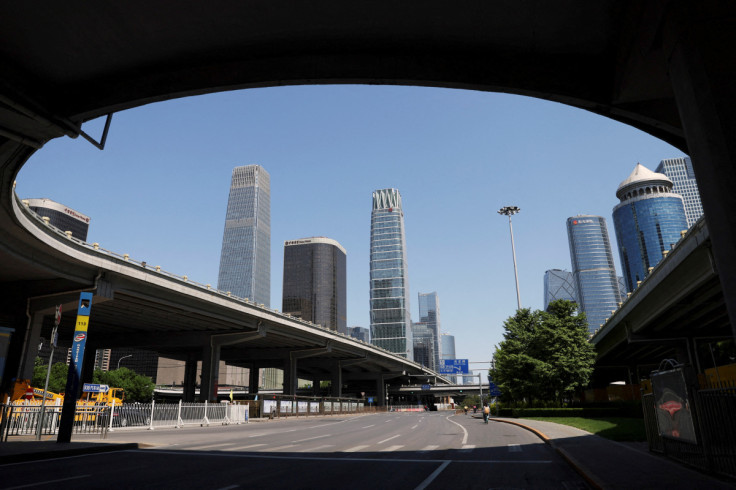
x=544 y=355
x=137 y=388
x=57 y=378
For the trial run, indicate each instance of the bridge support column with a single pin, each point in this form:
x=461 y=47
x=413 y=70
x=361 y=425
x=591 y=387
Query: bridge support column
x=33 y=338
x=254 y=379
x=702 y=80
x=190 y=378
x=210 y=372
x=290 y=377
x=336 y=380
x=315 y=386
x=381 y=391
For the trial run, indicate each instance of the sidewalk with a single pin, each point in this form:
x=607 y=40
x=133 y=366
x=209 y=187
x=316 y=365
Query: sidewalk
x=27 y=448
x=607 y=464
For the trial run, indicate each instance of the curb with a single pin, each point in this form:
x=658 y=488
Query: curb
x=65 y=452
x=574 y=463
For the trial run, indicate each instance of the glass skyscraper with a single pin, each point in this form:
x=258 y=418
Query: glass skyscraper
x=314 y=286
x=592 y=268
x=245 y=261
x=429 y=313
x=424 y=342
x=648 y=220
x=558 y=284
x=447 y=344
x=389 y=278
x=680 y=172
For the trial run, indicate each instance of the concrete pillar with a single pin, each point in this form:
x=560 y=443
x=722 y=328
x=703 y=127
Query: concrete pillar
x=336 y=380
x=290 y=377
x=702 y=75
x=190 y=378
x=210 y=372
x=254 y=379
x=380 y=391
x=30 y=347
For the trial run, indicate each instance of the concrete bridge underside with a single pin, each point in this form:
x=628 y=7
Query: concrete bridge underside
x=666 y=67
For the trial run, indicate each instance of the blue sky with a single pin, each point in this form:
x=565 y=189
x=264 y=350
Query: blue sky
x=159 y=189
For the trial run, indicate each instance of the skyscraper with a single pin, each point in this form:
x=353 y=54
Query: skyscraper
x=315 y=287
x=429 y=313
x=592 y=268
x=360 y=333
x=60 y=216
x=648 y=220
x=559 y=284
x=389 y=278
x=424 y=342
x=680 y=172
x=447 y=343
x=245 y=261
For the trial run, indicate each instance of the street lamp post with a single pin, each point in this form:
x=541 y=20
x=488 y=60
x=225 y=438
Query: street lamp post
x=129 y=355
x=509 y=211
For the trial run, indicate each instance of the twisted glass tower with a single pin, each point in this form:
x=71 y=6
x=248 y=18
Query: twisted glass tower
x=245 y=260
x=389 y=279
x=648 y=220
x=592 y=268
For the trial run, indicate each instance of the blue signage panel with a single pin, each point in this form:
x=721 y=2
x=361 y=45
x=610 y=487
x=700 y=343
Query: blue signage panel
x=454 y=366
x=494 y=391
x=370 y=399
x=426 y=387
x=95 y=388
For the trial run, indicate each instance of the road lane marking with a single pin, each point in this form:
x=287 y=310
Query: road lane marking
x=229 y=488
x=258 y=435
x=386 y=422
x=47 y=482
x=431 y=477
x=368 y=426
x=315 y=449
x=414 y=427
x=429 y=448
x=278 y=448
x=312 y=438
x=198 y=448
x=391 y=448
x=249 y=446
x=386 y=440
x=514 y=448
x=467 y=448
x=354 y=449
x=465 y=438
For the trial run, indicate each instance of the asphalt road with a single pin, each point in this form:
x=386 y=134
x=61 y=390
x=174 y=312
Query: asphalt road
x=432 y=450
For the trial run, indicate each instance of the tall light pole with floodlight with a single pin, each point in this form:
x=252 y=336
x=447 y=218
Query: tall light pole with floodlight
x=509 y=211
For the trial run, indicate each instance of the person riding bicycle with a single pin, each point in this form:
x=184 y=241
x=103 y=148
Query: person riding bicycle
x=466 y=409
x=486 y=412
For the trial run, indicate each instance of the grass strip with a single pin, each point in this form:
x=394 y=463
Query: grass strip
x=613 y=428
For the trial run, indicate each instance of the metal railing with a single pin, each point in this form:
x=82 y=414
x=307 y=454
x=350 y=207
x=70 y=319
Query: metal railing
x=714 y=416
x=24 y=420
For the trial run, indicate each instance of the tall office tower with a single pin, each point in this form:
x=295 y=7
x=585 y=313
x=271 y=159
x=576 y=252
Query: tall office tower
x=429 y=313
x=315 y=287
x=559 y=284
x=447 y=342
x=424 y=342
x=360 y=333
x=622 y=286
x=245 y=261
x=680 y=172
x=592 y=268
x=648 y=220
x=60 y=216
x=389 y=293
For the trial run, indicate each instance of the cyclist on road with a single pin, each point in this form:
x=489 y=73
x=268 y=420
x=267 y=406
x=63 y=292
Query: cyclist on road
x=486 y=413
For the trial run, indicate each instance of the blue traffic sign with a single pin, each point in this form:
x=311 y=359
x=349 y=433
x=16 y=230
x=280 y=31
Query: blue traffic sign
x=454 y=366
x=426 y=387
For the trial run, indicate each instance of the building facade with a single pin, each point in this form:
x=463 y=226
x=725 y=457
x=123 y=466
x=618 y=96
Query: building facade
x=680 y=172
x=245 y=260
x=315 y=287
x=429 y=313
x=424 y=342
x=360 y=333
x=60 y=216
x=389 y=278
x=592 y=268
x=648 y=220
x=559 y=284
x=447 y=342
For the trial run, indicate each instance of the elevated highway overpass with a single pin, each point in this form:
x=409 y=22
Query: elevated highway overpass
x=665 y=67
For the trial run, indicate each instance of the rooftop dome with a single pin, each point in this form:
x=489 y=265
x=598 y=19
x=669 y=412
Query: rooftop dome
x=642 y=176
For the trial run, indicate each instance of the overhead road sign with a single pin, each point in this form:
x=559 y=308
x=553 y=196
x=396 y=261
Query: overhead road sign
x=454 y=366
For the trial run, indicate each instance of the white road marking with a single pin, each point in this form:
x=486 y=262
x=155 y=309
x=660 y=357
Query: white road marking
x=315 y=449
x=431 y=477
x=312 y=438
x=414 y=427
x=47 y=482
x=368 y=426
x=391 y=448
x=230 y=487
x=198 y=448
x=279 y=447
x=389 y=420
x=428 y=448
x=249 y=446
x=258 y=435
x=354 y=449
x=467 y=448
x=514 y=448
x=386 y=440
x=465 y=438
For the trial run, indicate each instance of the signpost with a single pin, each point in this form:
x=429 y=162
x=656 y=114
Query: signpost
x=454 y=366
x=54 y=338
x=75 y=368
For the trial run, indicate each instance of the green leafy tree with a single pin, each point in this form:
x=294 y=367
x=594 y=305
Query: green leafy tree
x=544 y=355
x=137 y=388
x=57 y=378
